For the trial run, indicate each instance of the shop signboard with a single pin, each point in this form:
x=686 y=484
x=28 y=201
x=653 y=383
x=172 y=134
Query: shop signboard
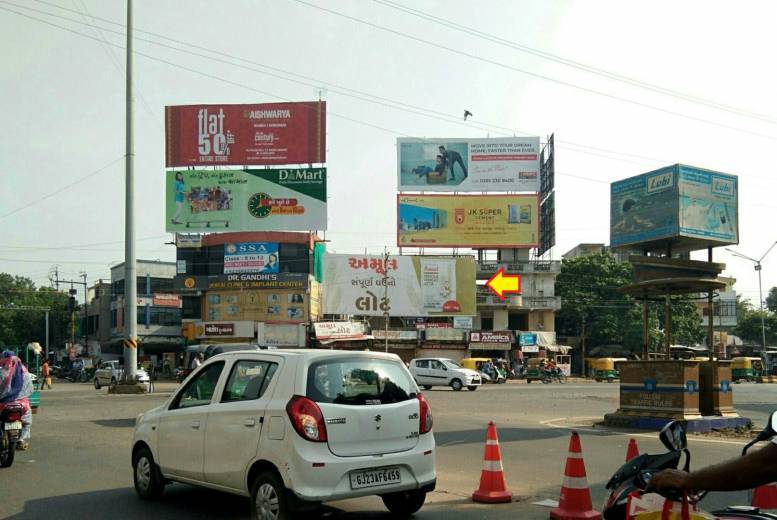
x=407 y=286
x=288 y=199
x=281 y=335
x=447 y=334
x=251 y=257
x=225 y=329
x=468 y=165
x=462 y=322
x=689 y=207
x=255 y=134
x=328 y=331
x=477 y=221
x=242 y=281
x=188 y=240
x=166 y=300
x=490 y=336
x=396 y=335
x=264 y=305
x=527 y=339
x=531 y=349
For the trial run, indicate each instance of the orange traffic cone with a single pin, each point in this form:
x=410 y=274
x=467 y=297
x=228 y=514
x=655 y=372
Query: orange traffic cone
x=632 y=451
x=575 y=500
x=765 y=497
x=492 y=488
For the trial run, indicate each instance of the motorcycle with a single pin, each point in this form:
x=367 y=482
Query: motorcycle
x=10 y=431
x=548 y=376
x=634 y=475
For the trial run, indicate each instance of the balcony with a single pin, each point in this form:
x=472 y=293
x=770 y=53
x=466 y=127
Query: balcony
x=485 y=298
x=486 y=270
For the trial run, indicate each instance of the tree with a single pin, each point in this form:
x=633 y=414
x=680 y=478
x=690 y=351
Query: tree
x=19 y=327
x=771 y=300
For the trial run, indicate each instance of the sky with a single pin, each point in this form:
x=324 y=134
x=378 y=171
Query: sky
x=62 y=101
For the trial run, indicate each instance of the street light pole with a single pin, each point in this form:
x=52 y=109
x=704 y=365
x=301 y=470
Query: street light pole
x=760 y=286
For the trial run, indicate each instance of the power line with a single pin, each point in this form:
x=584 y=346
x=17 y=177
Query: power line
x=575 y=64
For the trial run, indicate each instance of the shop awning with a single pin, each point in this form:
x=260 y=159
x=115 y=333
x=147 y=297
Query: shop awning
x=489 y=346
x=364 y=337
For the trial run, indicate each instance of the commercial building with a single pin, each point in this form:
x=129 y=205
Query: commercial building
x=248 y=286
x=97 y=325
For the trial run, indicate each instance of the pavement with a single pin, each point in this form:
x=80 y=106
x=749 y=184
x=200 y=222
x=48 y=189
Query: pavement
x=78 y=465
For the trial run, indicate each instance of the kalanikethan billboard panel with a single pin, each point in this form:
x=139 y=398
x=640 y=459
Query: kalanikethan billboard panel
x=246 y=200
x=687 y=207
x=468 y=165
x=409 y=286
x=477 y=221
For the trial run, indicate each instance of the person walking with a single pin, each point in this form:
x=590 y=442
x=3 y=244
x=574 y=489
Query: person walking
x=45 y=373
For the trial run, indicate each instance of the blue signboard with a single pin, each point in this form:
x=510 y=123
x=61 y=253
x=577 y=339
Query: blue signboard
x=251 y=257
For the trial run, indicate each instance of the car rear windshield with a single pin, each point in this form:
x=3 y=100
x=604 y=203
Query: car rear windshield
x=359 y=381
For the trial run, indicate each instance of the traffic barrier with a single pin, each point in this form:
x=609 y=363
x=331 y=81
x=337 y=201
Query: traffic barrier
x=765 y=497
x=632 y=451
x=492 y=488
x=575 y=501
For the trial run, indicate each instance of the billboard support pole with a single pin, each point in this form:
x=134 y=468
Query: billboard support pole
x=711 y=315
x=130 y=277
x=385 y=296
x=645 y=329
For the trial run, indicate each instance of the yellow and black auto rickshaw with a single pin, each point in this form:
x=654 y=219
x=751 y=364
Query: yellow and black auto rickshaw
x=746 y=368
x=605 y=368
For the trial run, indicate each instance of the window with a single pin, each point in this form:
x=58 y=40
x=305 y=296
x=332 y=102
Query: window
x=436 y=365
x=191 y=307
x=248 y=380
x=161 y=285
x=423 y=363
x=359 y=381
x=200 y=390
x=165 y=316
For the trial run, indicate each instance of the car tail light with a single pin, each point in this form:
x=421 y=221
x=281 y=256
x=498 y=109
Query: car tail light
x=425 y=415
x=307 y=419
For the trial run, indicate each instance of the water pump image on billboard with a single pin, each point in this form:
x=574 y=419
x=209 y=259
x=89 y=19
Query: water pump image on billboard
x=469 y=165
x=246 y=200
x=479 y=221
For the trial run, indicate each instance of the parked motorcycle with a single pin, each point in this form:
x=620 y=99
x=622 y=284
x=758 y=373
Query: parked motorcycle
x=635 y=474
x=10 y=431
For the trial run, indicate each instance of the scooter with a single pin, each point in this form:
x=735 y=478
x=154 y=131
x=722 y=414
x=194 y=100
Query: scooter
x=635 y=474
x=10 y=431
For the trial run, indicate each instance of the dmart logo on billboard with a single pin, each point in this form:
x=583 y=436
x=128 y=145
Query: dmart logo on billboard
x=301 y=175
x=660 y=182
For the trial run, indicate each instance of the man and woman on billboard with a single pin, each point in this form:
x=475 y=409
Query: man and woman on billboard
x=444 y=163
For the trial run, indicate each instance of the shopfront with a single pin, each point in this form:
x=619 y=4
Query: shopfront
x=403 y=343
x=490 y=344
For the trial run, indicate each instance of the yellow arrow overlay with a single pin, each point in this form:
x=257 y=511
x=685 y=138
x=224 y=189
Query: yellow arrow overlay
x=502 y=283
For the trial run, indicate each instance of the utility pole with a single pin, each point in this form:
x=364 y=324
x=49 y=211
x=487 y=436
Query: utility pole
x=385 y=296
x=56 y=280
x=757 y=267
x=130 y=275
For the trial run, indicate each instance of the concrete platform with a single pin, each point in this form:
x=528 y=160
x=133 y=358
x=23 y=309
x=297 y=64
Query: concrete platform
x=127 y=389
x=703 y=425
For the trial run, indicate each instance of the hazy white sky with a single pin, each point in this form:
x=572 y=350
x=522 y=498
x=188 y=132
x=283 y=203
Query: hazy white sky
x=62 y=106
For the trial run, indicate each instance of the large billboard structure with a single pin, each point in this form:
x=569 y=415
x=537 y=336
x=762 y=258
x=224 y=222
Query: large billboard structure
x=263 y=134
x=681 y=206
x=408 y=286
x=246 y=200
x=476 y=221
x=468 y=165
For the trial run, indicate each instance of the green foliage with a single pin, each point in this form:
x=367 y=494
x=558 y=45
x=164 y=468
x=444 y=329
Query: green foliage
x=19 y=327
x=771 y=300
x=749 y=326
x=589 y=287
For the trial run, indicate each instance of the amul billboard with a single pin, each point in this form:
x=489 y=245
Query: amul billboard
x=264 y=134
x=478 y=221
x=409 y=286
x=291 y=199
x=690 y=207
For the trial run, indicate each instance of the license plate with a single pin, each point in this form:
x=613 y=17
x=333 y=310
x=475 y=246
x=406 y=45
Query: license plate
x=375 y=477
x=16 y=425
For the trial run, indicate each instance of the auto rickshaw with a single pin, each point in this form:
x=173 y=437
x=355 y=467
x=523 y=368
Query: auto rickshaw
x=533 y=370
x=604 y=368
x=747 y=368
x=477 y=363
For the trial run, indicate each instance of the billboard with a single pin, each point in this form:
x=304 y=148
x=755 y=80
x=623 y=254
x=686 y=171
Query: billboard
x=689 y=207
x=266 y=134
x=240 y=281
x=411 y=286
x=258 y=305
x=477 y=221
x=502 y=164
x=251 y=257
x=246 y=200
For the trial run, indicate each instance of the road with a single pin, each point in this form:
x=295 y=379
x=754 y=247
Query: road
x=78 y=464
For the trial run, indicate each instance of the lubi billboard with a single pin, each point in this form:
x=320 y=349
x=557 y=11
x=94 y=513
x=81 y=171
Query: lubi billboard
x=477 y=221
x=467 y=165
x=290 y=199
x=408 y=286
x=689 y=207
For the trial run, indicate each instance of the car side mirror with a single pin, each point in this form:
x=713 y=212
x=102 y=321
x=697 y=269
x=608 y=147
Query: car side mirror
x=673 y=436
x=445 y=368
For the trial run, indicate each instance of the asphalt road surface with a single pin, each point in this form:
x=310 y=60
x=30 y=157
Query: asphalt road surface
x=78 y=465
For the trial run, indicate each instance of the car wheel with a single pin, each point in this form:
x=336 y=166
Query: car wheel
x=96 y=384
x=456 y=385
x=149 y=482
x=268 y=498
x=427 y=387
x=404 y=503
x=472 y=388
x=113 y=381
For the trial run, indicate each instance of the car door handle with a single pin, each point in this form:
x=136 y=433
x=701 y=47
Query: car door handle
x=196 y=425
x=249 y=423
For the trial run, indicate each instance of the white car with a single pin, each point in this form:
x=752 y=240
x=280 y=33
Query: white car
x=111 y=372
x=429 y=372
x=292 y=429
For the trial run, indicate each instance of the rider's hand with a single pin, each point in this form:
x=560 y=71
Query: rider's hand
x=668 y=479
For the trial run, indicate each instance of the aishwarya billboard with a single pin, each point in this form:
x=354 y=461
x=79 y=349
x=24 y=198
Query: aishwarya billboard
x=246 y=200
x=478 y=221
x=691 y=208
x=251 y=257
x=270 y=133
x=414 y=285
x=258 y=305
x=501 y=164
